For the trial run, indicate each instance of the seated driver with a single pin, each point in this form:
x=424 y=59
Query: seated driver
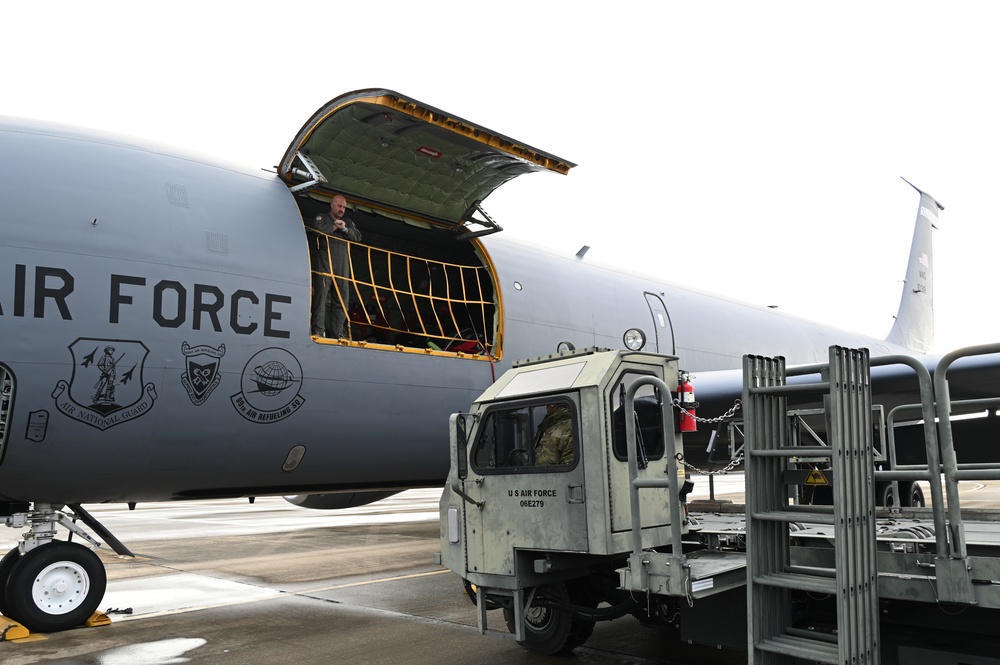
x=555 y=440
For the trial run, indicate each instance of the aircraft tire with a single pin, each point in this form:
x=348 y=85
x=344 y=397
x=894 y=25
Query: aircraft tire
x=915 y=497
x=56 y=587
x=886 y=498
x=546 y=627
x=7 y=563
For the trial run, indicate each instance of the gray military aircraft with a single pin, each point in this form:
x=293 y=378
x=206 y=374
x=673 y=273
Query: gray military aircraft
x=155 y=313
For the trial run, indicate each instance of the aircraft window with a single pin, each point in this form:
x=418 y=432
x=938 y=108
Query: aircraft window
x=531 y=437
x=6 y=402
x=403 y=297
x=649 y=433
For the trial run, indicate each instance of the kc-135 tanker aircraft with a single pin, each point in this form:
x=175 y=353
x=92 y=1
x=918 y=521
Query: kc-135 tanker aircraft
x=155 y=314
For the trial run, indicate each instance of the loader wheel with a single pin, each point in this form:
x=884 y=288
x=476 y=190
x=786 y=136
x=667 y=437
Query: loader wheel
x=546 y=626
x=581 y=594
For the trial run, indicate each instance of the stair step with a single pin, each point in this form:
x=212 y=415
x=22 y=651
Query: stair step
x=793 y=516
x=801 y=647
x=794 y=451
x=798 y=581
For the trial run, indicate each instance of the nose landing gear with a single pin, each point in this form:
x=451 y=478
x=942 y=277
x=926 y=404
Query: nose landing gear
x=49 y=585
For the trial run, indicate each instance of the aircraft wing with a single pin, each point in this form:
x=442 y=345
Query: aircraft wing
x=971 y=377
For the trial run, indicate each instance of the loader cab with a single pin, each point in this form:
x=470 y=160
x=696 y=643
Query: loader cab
x=509 y=502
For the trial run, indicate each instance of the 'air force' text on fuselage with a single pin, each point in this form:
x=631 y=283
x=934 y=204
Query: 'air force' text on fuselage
x=170 y=303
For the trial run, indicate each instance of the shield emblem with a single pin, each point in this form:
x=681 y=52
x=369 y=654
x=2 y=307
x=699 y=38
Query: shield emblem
x=106 y=387
x=201 y=371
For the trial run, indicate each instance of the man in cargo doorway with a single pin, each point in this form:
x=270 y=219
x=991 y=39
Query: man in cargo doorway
x=330 y=259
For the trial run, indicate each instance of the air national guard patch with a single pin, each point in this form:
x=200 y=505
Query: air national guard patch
x=106 y=388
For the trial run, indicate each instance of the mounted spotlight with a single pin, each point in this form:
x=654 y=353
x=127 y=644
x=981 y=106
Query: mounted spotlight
x=634 y=339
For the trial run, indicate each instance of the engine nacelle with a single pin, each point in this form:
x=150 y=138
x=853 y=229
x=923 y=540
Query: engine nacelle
x=337 y=500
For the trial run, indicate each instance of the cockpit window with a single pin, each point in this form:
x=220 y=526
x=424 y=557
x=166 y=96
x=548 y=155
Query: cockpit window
x=539 y=436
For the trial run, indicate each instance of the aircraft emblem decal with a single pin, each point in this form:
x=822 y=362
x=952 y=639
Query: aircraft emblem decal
x=104 y=389
x=201 y=370
x=270 y=387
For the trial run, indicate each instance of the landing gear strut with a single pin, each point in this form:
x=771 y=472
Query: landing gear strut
x=49 y=585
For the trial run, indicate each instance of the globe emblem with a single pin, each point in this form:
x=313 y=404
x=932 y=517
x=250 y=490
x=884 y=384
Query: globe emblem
x=272 y=377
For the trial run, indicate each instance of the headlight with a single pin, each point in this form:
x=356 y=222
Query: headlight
x=634 y=339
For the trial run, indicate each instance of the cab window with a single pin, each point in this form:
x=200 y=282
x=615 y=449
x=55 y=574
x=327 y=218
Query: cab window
x=536 y=436
x=648 y=418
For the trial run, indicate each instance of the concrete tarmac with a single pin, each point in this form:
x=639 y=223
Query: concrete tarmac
x=271 y=583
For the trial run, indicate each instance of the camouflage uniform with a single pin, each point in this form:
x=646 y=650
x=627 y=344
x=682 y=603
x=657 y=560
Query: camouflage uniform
x=555 y=445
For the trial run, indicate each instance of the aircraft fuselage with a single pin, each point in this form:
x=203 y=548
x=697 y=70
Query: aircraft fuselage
x=154 y=316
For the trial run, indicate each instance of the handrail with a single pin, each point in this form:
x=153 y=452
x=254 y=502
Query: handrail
x=951 y=474
x=926 y=390
x=670 y=452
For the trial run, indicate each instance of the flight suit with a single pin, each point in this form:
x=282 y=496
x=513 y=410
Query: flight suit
x=330 y=259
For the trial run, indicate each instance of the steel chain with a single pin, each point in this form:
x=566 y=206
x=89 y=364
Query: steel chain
x=737 y=405
x=736 y=461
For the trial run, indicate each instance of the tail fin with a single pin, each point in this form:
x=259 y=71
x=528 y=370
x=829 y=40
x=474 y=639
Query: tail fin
x=914 y=326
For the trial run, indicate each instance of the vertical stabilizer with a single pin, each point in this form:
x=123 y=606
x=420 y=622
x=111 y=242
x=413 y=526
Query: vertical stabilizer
x=914 y=326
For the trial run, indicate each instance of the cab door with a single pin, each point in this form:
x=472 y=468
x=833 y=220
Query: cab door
x=530 y=483
x=654 y=504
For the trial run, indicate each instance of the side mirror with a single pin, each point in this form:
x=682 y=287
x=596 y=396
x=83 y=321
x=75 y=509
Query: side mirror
x=459 y=445
x=459 y=437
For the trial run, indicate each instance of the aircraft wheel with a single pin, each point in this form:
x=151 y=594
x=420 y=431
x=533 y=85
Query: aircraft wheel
x=914 y=498
x=546 y=627
x=7 y=563
x=56 y=587
x=886 y=497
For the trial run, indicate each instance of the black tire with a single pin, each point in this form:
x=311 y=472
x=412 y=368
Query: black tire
x=7 y=563
x=886 y=498
x=580 y=631
x=546 y=627
x=582 y=594
x=56 y=587
x=914 y=498
x=470 y=591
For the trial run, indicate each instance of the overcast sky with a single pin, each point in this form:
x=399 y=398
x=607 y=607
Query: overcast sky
x=749 y=149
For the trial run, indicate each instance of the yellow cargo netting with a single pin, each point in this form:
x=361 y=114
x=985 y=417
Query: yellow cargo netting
x=411 y=302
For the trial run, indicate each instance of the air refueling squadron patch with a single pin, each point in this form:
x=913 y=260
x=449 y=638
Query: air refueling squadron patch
x=270 y=387
x=105 y=389
x=201 y=370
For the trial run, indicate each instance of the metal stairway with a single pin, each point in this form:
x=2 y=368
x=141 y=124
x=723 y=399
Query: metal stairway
x=771 y=578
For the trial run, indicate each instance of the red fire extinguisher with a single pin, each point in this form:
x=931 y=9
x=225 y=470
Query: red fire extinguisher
x=685 y=397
